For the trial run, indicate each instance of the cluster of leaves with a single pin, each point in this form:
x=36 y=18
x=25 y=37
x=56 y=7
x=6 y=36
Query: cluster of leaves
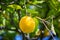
x=11 y=12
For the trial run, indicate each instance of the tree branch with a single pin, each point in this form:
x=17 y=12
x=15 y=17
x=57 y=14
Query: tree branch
x=43 y=21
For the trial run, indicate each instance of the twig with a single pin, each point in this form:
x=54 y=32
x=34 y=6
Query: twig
x=48 y=29
x=25 y=6
x=43 y=21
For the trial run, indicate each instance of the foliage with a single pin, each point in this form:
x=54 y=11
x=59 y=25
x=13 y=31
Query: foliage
x=12 y=11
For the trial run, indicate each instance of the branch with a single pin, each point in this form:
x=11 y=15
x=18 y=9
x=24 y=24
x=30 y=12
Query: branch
x=43 y=21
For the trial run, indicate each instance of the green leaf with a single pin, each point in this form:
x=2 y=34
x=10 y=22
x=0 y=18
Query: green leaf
x=14 y=6
x=36 y=2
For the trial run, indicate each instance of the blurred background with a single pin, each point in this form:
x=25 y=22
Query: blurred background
x=11 y=11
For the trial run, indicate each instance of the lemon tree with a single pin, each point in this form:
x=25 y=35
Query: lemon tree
x=27 y=24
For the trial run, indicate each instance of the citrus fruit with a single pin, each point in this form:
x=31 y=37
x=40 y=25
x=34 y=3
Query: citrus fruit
x=27 y=24
x=46 y=33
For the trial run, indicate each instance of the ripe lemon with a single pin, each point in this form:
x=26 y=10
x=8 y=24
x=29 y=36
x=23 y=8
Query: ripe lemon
x=27 y=24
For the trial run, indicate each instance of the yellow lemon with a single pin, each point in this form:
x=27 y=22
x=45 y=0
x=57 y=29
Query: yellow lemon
x=27 y=24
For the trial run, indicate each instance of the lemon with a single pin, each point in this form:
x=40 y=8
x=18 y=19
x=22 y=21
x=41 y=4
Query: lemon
x=27 y=24
x=46 y=33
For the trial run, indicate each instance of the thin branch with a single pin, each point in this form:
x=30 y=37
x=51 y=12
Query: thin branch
x=25 y=6
x=43 y=21
x=48 y=29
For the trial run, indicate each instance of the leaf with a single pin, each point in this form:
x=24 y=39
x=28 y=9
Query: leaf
x=11 y=6
x=18 y=7
x=14 y=6
x=36 y=2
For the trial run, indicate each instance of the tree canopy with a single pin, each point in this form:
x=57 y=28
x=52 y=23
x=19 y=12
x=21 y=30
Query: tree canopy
x=11 y=11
